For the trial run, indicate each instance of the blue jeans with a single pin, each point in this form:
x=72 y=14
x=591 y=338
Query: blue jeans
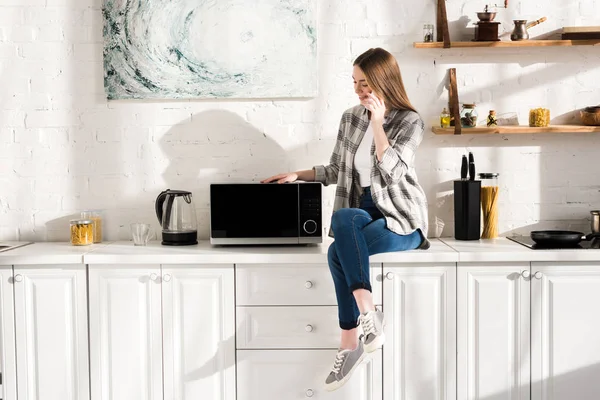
x=359 y=233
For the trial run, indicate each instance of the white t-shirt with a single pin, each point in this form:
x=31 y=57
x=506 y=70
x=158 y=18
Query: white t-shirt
x=363 y=159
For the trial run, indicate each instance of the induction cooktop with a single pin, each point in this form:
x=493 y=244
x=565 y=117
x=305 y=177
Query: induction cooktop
x=583 y=245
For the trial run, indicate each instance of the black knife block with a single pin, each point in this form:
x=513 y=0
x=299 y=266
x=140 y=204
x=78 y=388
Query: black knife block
x=467 y=210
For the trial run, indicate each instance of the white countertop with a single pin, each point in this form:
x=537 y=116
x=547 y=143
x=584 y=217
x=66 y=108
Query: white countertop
x=47 y=253
x=442 y=250
x=205 y=253
x=505 y=250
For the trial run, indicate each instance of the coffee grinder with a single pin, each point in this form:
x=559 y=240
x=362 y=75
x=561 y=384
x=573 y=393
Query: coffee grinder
x=486 y=30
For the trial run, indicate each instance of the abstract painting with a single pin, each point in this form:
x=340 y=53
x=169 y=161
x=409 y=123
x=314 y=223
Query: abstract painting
x=181 y=49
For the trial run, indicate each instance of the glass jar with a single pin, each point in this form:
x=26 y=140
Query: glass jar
x=491 y=119
x=445 y=119
x=468 y=115
x=96 y=217
x=428 y=33
x=82 y=232
x=539 y=117
x=489 y=204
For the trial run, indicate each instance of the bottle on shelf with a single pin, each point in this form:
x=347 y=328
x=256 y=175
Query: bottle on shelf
x=492 y=120
x=445 y=119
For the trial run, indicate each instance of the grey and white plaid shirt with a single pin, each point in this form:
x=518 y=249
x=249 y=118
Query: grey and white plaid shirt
x=394 y=185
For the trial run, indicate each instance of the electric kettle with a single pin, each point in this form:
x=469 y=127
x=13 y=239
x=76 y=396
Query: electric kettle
x=177 y=216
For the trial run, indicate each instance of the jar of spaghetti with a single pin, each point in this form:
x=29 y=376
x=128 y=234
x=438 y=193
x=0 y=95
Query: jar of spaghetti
x=96 y=217
x=82 y=232
x=489 y=204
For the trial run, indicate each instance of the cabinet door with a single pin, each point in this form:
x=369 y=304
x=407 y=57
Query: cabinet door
x=565 y=324
x=8 y=372
x=198 y=332
x=125 y=332
x=493 y=331
x=419 y=354
x=51 y=331
x=300 y=374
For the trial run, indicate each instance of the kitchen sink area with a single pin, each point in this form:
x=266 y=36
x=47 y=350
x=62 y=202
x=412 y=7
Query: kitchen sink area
x=7 y=246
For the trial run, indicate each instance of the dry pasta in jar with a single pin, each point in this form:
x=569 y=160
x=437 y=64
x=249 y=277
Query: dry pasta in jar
x=82 y=232
x=539 y=117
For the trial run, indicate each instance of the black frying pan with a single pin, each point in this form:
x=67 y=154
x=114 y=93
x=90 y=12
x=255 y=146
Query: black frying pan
x=560 y=238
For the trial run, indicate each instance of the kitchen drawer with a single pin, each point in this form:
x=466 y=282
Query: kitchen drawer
x=287 y=327
x=295 y=374
x=292 y=284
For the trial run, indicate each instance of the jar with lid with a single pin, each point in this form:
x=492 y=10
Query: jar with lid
x=468 y=115
x=82 y=232
x=428 y=33
x=489 y=204
x=96 y=217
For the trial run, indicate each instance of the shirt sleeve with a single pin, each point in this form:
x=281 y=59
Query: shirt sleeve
x=400 y=156
x=328 y=174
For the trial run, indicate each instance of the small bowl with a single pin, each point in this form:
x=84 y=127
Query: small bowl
x=486 y=16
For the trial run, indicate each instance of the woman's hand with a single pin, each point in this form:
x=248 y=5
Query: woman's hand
x=282 y=178
x=376 y=106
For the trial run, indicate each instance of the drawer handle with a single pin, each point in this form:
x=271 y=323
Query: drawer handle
x=167 y=277
x=538 y=275
x=525 y=274
x=18 y=278
x=309 y=393
x=153 y=276
x=309 y=328
x=389 y=276
x=308 y=284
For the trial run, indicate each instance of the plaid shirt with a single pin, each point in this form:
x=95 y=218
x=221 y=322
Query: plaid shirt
x=394 y=185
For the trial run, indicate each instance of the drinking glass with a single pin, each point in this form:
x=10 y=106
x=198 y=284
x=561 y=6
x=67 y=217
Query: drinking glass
x=140 y=233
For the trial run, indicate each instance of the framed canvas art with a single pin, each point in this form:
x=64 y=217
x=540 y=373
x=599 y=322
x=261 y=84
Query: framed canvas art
x=180 y=49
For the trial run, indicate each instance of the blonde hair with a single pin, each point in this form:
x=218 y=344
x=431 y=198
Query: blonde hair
x=383 y=76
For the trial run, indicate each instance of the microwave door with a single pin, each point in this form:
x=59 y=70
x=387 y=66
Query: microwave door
x=254 y=211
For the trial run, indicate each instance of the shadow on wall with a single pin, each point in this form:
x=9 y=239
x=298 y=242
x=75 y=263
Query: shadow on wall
x=217 y=146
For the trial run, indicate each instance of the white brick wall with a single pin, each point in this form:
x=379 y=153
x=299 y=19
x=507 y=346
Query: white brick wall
x=64 y=148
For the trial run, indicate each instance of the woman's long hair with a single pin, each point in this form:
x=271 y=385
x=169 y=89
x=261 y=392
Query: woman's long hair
x=383 y=76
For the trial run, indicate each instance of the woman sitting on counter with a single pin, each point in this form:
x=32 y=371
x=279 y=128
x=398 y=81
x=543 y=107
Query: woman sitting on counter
x=379 y=205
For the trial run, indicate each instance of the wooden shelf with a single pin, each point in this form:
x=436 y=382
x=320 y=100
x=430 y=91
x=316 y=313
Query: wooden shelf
x=523 y=43
x=522 y=129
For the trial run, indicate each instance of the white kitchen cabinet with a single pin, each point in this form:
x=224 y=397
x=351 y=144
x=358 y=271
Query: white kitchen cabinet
x=162 y=332
x=125 y=332
x=493 y=331
x=565 y=331
x=51 y=332
x=295 y=375
x=8 y=368
x=198 y=332
x=419 y=354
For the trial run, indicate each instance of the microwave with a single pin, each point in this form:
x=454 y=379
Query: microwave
x=265 y=213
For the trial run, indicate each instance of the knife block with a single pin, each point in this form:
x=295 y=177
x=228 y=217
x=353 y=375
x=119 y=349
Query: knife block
x=467 y=210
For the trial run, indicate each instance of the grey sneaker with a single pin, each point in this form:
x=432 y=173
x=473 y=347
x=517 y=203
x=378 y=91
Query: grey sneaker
x=344 y=365
x=372 y=324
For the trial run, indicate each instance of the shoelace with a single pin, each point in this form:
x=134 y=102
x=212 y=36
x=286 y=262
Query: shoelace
x=368 y=324
x=339 y=360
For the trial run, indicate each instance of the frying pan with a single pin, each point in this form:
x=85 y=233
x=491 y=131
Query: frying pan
x=561 y=238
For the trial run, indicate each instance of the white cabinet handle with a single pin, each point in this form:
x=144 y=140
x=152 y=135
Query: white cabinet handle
x=308 y=284
x=167 y=277
x=309 y=328
x=18 y=278
x=538 y=275
x=526 y=274
x=389 y=276
x=153 y=277
x=309 y=393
